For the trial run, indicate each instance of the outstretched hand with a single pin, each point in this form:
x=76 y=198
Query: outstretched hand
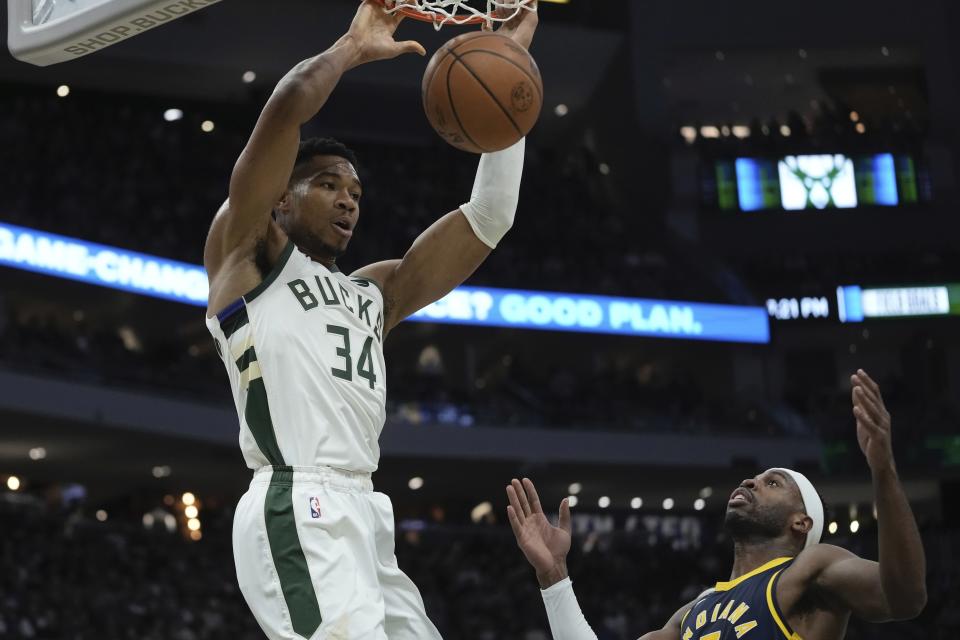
x=873 y=421
x=544 y=545
x=372 y=32
x=522 y=26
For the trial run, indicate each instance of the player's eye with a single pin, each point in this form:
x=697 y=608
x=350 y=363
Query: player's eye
x=355 y=196
x=773 y=482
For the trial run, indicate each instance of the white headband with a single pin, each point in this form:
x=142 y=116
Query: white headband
x=811 y=504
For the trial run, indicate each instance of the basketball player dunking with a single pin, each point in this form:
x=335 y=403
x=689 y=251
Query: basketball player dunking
x=784 y=585
x=302 y=345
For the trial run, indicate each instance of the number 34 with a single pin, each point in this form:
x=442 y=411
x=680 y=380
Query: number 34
x=364 y=364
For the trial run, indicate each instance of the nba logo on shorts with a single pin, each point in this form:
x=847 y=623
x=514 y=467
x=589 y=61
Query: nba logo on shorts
x=314 y=507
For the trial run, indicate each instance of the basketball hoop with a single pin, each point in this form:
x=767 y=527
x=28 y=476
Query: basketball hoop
x=457 y=12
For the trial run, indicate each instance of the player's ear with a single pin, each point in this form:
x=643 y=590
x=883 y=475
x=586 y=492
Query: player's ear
x=802 y=523
x=283 y=205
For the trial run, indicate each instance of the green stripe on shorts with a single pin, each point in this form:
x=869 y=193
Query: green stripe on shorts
x=288 y=557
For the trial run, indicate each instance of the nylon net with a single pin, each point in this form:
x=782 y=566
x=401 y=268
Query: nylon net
x=459 y=12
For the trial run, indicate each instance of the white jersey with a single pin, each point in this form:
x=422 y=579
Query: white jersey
x=304 y=354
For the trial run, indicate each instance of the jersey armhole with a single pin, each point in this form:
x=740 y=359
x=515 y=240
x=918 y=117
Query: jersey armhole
x=779 y=619
x=274 y=273
x=371 y=281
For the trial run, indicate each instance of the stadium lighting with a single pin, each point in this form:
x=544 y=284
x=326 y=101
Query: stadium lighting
x=689 y=134
x=710 y=132
x=415 y=483
x=706 y=492
x=832 y=528
x=161 y=471
x=193 y=524
x=861 y=128
x=170 y=522
x=196 y=535
x=63 y=91
x=101 y=515
x=188 y=498
x=604 y=168
x=603 y=502
x=668 y=504
x=854 y=116
x=148 y=520
x=699 y=504
x=854 y=526
x=785 y=131
x=574 y=488
x=37 y=453
x=741 y=131
x=207 y=126
x=171 y=115
x=572 y=501
x=249 y=76
x=636 y=503
x=561 y=110
x=13 y=483
x=191 y=511
x=481 y=511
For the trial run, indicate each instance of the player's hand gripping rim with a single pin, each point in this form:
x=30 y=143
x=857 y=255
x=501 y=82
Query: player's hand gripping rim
x=521 y=27
x=372 y=32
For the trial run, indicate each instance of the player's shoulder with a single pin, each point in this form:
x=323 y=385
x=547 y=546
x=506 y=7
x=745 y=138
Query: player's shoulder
x=813 y=560
x=823 y=552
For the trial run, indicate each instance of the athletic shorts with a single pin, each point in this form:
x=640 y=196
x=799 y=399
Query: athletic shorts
x=314 y=550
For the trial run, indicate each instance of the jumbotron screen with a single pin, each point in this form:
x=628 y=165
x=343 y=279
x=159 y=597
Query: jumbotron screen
x=825 y=181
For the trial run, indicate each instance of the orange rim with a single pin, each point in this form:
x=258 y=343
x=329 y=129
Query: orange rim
x=434 y=18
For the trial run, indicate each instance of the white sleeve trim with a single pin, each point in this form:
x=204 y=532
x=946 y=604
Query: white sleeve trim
x=496 y=194
x=564 y=614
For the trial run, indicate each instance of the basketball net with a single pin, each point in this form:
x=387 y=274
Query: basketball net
x=458 y=12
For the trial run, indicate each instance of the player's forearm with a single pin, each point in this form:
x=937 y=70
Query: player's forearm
x=496 y=193
x=564 y=614
x=902 y=561
x=304 y=89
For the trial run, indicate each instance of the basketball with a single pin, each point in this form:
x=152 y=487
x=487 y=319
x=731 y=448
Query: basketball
x=482 y=92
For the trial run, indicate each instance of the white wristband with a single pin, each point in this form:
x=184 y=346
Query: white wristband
x=564 y=614
x=496 y=193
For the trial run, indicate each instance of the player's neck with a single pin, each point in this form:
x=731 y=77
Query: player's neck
x=326 y=260
x=750 y=554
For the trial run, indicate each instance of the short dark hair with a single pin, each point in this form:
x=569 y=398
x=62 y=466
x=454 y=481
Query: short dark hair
x=323 y=147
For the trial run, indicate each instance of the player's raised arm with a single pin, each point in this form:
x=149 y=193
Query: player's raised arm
x=546 y=547
x=895 y=587
x=263 y=170
x=452 y=248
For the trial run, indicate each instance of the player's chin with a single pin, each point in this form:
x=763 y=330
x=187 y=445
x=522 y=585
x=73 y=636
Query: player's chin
x=335 y=243
x=340 y=246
